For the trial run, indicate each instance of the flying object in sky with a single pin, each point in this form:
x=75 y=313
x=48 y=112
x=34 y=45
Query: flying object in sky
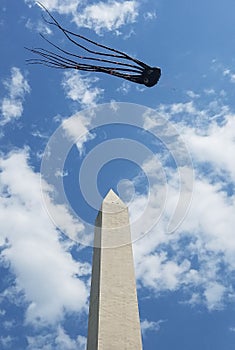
x=113 y=62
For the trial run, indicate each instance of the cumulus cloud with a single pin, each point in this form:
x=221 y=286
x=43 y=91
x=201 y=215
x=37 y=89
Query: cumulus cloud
x=160 y=273
x=167 y=262
x=215 y=145
x=214 y=294
x=11 y=106
x=109 y=15
x=208 y=231
x=34 y=251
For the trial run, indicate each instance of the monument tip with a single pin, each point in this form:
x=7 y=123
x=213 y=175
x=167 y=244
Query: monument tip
x=112 y=197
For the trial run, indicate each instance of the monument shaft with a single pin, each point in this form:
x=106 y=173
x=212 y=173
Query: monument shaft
x=113 y=315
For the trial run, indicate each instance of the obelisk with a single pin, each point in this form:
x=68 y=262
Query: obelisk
x=114 y=322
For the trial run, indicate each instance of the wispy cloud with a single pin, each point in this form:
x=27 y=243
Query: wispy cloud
x=62 y=7
x=58 y=339
x=192 y=94
x=40 y=27
x=17 y=87
x=230 y=74
x=153 y=326
x=150 y=15
x=77 y=129
x=81 y=89
x=124 y=88
x=6 y=341
x=226 y=71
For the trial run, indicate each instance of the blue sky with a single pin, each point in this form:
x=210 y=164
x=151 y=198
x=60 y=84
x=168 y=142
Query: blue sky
x=168 y=151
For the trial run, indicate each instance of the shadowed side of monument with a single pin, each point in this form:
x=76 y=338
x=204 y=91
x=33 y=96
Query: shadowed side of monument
x=114 y=322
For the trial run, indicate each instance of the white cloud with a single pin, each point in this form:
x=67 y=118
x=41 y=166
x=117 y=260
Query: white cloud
x=109 y=15
x=77 y=129
x=56 y=340
x=81 y=342
x=2 y=312
x=183 y=108
x=40 y=26
x=192 y=94
x=209 y=91
x=159 y=273
x=11 y=106
x=6 y=341
x=60 y=6
x=63 y=341
x=9 y=325
x=215 y=146
x=40 y=342
x=213 y=219
x=80 y=88
x=124 y=88
x=208 y=231
x=207 y=228
x=222 y=69
x=230 y=74
x=147 y=326
x=149 y=16
x=214 y=294
x=35 y=254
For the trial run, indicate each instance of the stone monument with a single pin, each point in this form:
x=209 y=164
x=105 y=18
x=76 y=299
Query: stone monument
x=114 y=322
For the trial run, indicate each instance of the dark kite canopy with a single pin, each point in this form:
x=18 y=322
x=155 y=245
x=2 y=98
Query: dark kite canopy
x=117 y=63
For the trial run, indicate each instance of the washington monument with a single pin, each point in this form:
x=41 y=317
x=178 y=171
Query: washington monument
x=114 y=322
